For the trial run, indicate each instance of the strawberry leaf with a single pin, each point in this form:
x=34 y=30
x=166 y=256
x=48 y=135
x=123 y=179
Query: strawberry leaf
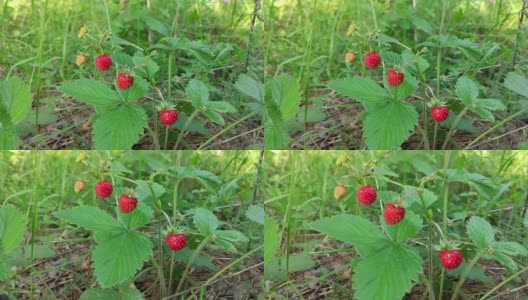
x=198 y=92
x=15 y=95
x=387 y=273
x=205 y=221
x=285 y=93
x=117 y=259
x=353 y=230
x=91 y=92
x=361 y=89
x=407 y=228
x=119 y=128
x=480 y=232
x=517 y=83
x=250 y=87
x=467 y=90
x=390 y=125
x=13 y=228
x=90 y=218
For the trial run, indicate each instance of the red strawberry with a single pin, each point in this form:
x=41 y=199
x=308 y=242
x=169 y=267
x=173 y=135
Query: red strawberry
x=372 y=60
x=450 y=259
x=168 y=116
x=394 y=78
x=176 y=241
x=340 y=191
x=103 y=62
x=124 y=81
x=104 y=189
x=393 y=214
x=439 y=113
x=366 y=195
x=127 y=203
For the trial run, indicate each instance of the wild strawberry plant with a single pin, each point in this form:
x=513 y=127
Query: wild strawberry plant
x=390 y=117
x=124 y=81
x=390 y=263
x=119 y=224
x=12 y=232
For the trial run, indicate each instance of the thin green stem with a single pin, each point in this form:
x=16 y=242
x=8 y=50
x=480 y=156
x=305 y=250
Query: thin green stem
x=466 y=272
x=189 y=120
x=520 y=112
x=166 y=137
x=503 y=283
x=455 y=123
x=434 y=135
x=225 y=130
x=191 y=260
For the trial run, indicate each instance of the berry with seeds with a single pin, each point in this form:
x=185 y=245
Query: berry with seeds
x=127 y=203
x=393 y=214
x=176 y=241
x=394 y=78
x=450 y=259
x=124 y=81
x=103 y=62
x=103 y=189
x=366 y=195
x=372 y=60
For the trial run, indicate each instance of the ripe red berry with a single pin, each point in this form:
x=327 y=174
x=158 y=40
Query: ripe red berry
x=393 y=214
x=127 y=203
x=372 y=60
x=394 y=78
x=168 y=116
x=103 y=62
x=124 y=81
x=450 y=259
x=176 y=241
x=366 y=195
x=439 y=113
x=104 y=189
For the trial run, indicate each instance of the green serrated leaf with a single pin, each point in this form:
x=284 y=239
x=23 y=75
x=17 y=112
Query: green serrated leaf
x=250 y=87
x=480 y=232
x=510 y=248
x=389 y=126
x=286 y=94
x=221 y=107
x=136 y=91
x=8 y=136
x=119 y=128
x=256 y=214
x=272 y=239
x=210 y=181
x=231 y=236
x=505 y=260
x=388 y=273
x=517 y=83
x=138 y=217
x=117 y=259
x=14 y=228
x=407 y=228
x=361 y=89
x=353 y=230
x=91 y=92
x=15 y=95
x=198 y=92
x=205 y=221
x=90 y=218
x=214 y=117
x=467 y=90
x=144 y=192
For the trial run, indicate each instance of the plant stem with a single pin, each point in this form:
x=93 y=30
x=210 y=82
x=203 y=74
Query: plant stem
x=191 y=260
x=495 y=127
x=503 y=283
x=466 y=272
x=455 y=123
x=434 y=135
x=224 y=130
x=189 y=120
x=166 y=137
